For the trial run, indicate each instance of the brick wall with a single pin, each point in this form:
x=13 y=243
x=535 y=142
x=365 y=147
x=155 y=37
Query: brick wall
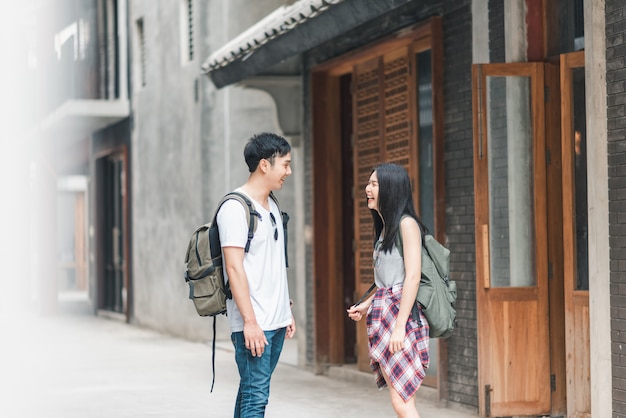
x=459 y=184
x=496 y=31
x=616 y=119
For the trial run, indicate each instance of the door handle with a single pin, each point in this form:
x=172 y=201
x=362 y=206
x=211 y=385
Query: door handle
x=485 y=255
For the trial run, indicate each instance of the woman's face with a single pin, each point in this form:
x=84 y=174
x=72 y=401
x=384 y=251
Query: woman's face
x=371 y=192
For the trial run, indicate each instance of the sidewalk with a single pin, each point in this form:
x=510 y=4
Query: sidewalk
x=84 y=366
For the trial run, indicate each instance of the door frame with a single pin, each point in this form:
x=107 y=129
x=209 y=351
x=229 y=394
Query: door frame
x=100 y=207
x=555 y=239
x=577 y=331
x=328 y=244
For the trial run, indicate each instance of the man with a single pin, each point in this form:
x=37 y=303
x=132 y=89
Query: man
x=259 y=313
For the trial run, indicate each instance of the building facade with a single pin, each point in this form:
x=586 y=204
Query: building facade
x=509 y=117
x=499 y=112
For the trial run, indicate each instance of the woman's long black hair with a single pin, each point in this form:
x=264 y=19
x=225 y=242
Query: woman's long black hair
x=395 y=199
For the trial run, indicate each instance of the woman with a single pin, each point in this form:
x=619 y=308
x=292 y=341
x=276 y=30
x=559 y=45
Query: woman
x=396 y=327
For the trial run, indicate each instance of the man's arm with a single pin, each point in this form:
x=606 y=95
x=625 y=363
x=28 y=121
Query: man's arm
x=252 y=332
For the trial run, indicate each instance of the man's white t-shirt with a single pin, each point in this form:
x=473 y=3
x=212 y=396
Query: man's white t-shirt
x=264 y=264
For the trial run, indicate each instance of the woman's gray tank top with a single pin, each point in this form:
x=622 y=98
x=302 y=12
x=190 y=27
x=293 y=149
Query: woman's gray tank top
x=388 y=266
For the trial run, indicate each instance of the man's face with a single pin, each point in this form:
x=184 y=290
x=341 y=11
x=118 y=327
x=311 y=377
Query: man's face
x=279 y=171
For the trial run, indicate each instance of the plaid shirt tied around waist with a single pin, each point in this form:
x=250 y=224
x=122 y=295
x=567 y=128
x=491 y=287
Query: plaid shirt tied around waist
x=406 y=369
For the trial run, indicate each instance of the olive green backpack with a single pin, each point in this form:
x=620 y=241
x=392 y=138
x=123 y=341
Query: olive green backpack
x=204 y=270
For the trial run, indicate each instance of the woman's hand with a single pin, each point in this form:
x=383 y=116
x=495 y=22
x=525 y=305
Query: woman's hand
x=357 y=312
x=396 y=342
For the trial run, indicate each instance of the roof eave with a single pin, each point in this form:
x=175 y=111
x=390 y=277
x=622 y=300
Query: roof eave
x=247 y=58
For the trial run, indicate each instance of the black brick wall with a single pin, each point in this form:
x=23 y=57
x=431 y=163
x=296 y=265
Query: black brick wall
x=459 y=183
x=496 y=31
x=616 y=120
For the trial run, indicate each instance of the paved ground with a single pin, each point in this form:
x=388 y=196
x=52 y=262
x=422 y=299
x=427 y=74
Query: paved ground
x=89 y=367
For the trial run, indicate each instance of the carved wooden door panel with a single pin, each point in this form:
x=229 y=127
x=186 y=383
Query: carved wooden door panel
x=383 y=108
x=367 y=105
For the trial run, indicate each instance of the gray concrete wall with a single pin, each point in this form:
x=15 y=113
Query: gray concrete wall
x=186 y=153
x=231 y=115
x=167 y=169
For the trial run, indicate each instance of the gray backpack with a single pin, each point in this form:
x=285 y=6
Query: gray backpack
x=437 y=293
x=204 y=272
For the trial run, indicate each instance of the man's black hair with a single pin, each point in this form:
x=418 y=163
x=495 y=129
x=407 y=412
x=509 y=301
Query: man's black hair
x=264 y=146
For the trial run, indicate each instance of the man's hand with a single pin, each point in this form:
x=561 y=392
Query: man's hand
x=255 y=339
x=291 y=328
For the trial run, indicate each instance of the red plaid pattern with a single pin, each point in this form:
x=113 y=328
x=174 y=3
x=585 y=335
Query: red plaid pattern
x=406 y=369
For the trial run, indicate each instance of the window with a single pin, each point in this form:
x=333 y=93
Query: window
x=140 y=73
x=186 y=31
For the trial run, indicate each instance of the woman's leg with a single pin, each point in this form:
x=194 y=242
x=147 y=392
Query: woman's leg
x=402 y=409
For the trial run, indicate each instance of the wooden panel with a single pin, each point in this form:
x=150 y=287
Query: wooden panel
x=555 y=240
x=397 y=111
x=327 y=242
x=367 y=154
x=576 y=302
x=367 y=131
x=578 y=376
x=515 y=382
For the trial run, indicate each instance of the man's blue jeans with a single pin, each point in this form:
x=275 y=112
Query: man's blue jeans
x=255 y=373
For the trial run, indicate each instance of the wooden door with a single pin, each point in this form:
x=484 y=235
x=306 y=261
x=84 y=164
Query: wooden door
x=396 y=108
x=383 y=112
x=511 y=239
x=575 y=227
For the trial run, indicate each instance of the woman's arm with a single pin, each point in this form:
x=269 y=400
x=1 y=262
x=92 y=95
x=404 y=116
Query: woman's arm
x=412 y=247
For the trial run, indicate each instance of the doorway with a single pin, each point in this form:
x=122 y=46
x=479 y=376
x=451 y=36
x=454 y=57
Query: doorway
x=383 y=102
x=112 y=234
x=531 y=238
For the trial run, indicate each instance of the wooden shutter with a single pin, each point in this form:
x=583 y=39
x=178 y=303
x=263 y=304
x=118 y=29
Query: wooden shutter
x=367 y=153
x=397 y=110
x=382 y=99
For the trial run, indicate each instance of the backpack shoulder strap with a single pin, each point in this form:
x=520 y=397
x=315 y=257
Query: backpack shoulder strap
x=251 y=213
x=439 y=254
x=285 y=218
x=275 y=199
